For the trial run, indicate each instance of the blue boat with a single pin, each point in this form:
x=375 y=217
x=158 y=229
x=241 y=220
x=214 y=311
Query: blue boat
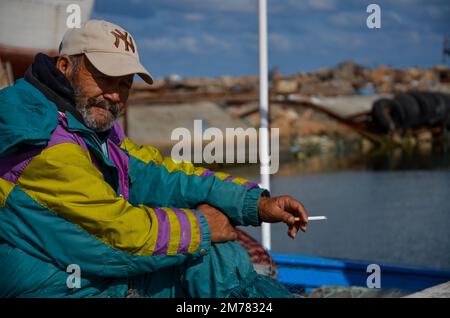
x=308 y=272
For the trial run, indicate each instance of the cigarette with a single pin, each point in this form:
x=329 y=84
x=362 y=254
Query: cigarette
x=312 y=218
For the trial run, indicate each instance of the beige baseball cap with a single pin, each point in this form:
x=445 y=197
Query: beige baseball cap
x=107 y=46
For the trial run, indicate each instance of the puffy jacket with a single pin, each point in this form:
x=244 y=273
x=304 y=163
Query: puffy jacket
x=117 y=213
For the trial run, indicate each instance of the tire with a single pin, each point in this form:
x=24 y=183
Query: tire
x=440 y=108
x=425 y=111
x=398 y=115
x=432 y=108
x=411 y=110
x=383 y=113
x=446 y=100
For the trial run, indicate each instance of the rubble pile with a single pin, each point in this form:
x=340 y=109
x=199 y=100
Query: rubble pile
x=308 y=133
x=320 y=112
x=347 y=78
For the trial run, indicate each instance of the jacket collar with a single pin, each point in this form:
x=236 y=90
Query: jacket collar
x=116 y=133
x=53 y=84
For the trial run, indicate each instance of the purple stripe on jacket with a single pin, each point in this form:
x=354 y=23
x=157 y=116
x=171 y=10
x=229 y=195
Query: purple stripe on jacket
x=251 y=185
x=116 y=135
x=162 y=241
x=248 y=185
x=122 y=162
x=12 y=167
x=185 y=230
x=228 y=179
x=207 y=173
x=197 y=216
x=61 y=135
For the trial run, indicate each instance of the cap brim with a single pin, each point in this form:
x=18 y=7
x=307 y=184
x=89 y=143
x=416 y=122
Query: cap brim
x=113 y=64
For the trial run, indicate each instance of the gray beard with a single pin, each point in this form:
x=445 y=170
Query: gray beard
x=89 y=119
x=84 y=107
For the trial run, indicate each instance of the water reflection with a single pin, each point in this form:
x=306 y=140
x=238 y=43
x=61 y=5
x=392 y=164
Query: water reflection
x=387 y=207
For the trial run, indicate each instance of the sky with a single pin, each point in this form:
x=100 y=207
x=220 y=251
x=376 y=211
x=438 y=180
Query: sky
x=195 y=38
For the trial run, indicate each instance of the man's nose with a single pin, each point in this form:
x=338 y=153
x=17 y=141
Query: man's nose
x=112 y=96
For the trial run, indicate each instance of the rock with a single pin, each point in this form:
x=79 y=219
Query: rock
x=438 y=291
x=286 y=86
x=354 y=292
x=328 y=88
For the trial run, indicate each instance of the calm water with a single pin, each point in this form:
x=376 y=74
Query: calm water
x=393 y=217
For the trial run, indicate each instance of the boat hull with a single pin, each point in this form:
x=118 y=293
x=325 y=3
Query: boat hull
x=306 y=272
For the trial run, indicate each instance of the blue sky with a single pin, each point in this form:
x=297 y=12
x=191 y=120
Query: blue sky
x=220 y=37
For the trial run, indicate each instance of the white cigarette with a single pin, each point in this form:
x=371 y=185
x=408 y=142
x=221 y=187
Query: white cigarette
x=313 y=218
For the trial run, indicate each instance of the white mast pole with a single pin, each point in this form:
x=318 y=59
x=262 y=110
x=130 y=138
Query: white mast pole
x=264 y=113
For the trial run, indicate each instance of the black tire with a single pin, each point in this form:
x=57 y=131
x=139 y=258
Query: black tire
x=411 y=110
x=432 y=108
x=424 y=109
x=446 y=99
x=440 y=108
x=398 y=115
x=383 y=113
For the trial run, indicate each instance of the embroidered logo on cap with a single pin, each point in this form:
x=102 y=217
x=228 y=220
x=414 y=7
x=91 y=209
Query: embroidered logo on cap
x=124 y=37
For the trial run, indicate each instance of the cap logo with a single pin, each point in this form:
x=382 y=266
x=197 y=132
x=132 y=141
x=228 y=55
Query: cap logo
x=128 y=41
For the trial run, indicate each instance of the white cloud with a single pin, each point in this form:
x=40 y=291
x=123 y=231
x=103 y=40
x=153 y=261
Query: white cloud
x=307 y=5
x=247 y=6
x=349 y=19
x=194 y=17
x=242 y=6
x=395 y=17
x=436 y=12
x=414 y=37
x=186 y=43
x=279 y=42
x=204 y=43
x=250 y=41
x=214 y=42
x=341 y=39
x=322 y=4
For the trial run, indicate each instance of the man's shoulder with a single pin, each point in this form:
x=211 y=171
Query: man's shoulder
x=21 y=91
x=26 y=117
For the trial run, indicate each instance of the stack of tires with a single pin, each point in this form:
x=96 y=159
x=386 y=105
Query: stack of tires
x=411 y=110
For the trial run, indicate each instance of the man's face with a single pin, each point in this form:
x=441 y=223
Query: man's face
x=99 y=98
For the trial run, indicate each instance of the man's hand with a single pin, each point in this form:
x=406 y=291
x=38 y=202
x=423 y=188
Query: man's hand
x=219 y=224
x=284 y=209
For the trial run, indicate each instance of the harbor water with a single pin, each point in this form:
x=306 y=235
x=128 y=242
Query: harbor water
x=399 y=217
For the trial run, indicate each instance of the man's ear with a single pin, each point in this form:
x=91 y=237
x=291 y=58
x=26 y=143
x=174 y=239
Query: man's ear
x=64 y=65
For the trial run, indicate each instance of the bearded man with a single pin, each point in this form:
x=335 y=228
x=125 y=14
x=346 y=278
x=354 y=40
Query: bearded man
x=75 y=192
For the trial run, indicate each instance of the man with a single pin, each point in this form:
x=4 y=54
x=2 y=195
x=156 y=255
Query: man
x=74 y=190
